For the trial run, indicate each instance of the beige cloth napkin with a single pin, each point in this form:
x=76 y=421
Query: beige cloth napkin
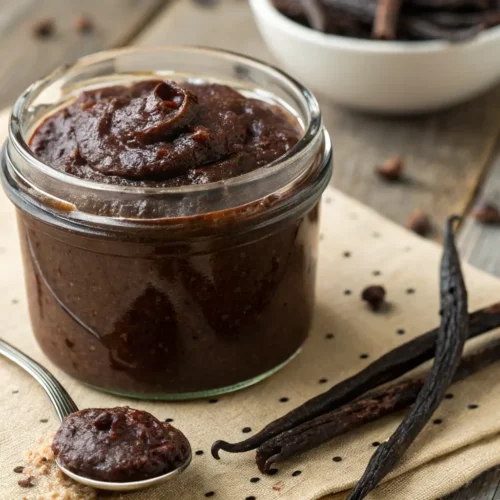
x=358 y=247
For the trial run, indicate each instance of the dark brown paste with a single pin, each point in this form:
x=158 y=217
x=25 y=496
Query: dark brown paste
x=158 y=133
x=159 y=310
x=119 y=445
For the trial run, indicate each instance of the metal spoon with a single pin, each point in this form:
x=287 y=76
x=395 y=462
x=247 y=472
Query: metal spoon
x=64 y=405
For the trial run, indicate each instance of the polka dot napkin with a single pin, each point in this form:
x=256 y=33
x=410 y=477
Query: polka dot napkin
x=358 y=248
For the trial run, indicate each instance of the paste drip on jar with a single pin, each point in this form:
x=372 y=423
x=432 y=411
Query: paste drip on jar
x=159 y=133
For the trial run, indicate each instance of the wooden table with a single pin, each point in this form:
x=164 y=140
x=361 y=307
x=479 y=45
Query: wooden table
x=452 y=158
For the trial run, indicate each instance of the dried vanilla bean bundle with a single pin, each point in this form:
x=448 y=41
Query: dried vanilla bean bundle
x=369 y=408
x=451 y=20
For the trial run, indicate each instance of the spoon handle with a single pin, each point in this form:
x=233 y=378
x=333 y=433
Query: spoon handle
x=61 y=400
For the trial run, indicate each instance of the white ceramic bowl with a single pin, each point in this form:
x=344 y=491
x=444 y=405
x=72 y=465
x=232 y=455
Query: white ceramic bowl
x=382 y=76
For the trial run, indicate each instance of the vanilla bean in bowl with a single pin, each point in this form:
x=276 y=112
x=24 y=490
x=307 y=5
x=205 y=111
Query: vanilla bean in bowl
x=449 y=4
x=452 y=20
x=386 y=19
x=314 y=13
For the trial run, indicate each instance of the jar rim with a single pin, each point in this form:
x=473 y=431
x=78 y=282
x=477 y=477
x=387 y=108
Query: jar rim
x=312 y=129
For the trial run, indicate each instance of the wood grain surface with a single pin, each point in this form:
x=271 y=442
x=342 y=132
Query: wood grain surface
x=480 y=243
x=25 y=57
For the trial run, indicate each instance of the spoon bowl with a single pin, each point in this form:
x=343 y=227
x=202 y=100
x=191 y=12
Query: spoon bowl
x=64 y=406
x=129 y=486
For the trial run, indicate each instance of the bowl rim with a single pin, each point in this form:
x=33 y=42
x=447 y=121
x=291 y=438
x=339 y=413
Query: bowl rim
x=266 y=9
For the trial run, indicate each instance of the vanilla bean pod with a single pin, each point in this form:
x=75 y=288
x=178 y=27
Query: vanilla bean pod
x=388 y=367
x=448 y=4
x=363 y=10
x=450 y=342
x=455 y=19
x=386 y=19
x=425 y=29
x=313 y=11
x=451 y=20
x=354 y=415
x=493 y=18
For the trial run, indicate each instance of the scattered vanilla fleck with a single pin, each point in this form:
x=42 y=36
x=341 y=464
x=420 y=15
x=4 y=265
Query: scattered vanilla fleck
x=49 y=482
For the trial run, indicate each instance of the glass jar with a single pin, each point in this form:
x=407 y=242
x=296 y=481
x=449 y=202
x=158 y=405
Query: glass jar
x=169 y=293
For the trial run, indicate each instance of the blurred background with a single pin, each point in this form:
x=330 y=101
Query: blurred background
x=39 y=35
